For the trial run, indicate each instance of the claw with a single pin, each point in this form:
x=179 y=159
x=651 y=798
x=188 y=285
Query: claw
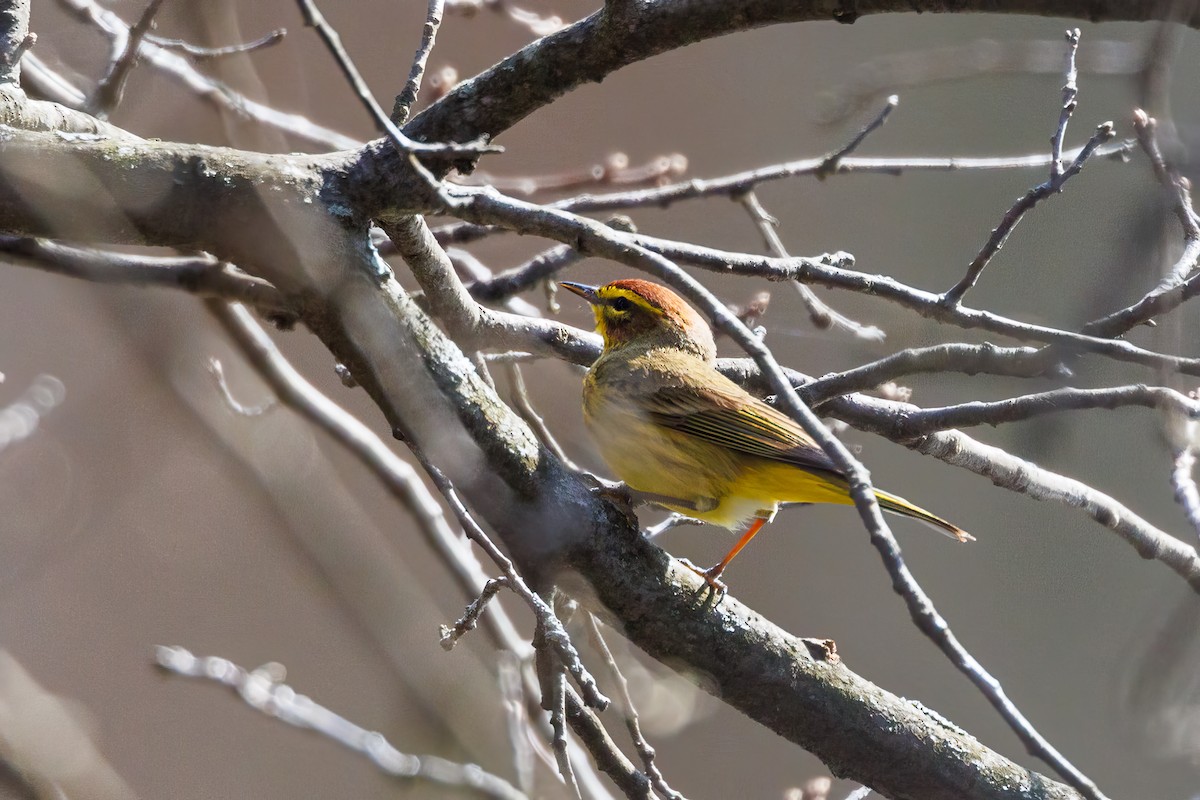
x=616 y=492
x=711 y=576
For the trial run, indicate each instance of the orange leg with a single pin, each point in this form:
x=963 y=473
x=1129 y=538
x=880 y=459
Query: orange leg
x=713 y=574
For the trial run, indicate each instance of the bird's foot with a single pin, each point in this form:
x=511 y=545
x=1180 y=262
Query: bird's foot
x=616 y=492
x=712 y=576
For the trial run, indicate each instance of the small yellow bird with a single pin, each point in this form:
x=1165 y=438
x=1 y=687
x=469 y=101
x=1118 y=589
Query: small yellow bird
x=683 y=436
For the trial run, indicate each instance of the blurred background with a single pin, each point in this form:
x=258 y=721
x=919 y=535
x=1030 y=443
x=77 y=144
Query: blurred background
x=139 y=509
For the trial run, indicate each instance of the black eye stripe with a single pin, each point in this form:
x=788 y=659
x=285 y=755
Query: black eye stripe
x=620 y=304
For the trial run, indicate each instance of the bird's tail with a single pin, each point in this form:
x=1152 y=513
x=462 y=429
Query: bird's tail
x=898 y=505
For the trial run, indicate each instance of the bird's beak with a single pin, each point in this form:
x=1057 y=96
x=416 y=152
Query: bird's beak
x=582 y=289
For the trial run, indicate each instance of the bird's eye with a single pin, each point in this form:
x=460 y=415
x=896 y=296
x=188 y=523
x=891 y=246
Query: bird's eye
x=621 y=304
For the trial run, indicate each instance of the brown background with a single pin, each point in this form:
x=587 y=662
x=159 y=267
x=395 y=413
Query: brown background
x=144 y=512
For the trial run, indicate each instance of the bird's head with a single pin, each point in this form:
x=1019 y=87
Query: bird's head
x=641 y=313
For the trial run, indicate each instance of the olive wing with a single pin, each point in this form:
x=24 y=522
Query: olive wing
x=731 y=417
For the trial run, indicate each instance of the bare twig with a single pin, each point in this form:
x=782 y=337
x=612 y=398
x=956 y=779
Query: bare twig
x=1181 y=282
x=553 y=681
x=263 y=690
x=108 y=91
x=738 y=183
x=198 y=53
x=333 y=42
x=1058 y=177
x=830 y=163
x=819 y=312
x=828 y=271
x=553 y=630
x=629 y=711
x=906 y=423
x=524 y=406
x=202 y=86
x=218 y=374
x=615 y=170
x=1000 y=234
x=539 y=268
x=1070 y=94
x=201 y=274
x=408 y=95
x=972 y=359
x=468 y=621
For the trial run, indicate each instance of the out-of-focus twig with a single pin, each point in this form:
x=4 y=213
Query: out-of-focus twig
x=263 y=690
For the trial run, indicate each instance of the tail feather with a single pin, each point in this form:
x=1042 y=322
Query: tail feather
x=898 y=505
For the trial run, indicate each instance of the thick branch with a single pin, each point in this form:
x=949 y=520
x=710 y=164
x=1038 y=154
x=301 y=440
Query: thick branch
x=624 y=33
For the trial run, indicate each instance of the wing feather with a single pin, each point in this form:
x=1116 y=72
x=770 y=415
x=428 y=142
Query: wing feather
x=733 y=418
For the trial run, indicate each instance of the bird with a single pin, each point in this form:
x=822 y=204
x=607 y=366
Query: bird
x=682 y=436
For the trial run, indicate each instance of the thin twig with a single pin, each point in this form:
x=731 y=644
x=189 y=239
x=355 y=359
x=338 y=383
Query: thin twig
x=200 y=274
x=819 y=312
x=412 y=87
x=972 y=359
x=629 y=712
x=1070 y=93
x=539 y=268
x=907 y=422
x=468 y=621
x=1181 y=282
x=1058 y=177
x=202 y=86
x=218 y=374
x=553 y=681
x=110 y=88
x=333 y=42
x=524 y=407
x=953 y=296
x=615 y=170
x=554 y=632
x=831 y=161
x=198 y=53
x=731 y=185
x=264 y=690
x=827 y=271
